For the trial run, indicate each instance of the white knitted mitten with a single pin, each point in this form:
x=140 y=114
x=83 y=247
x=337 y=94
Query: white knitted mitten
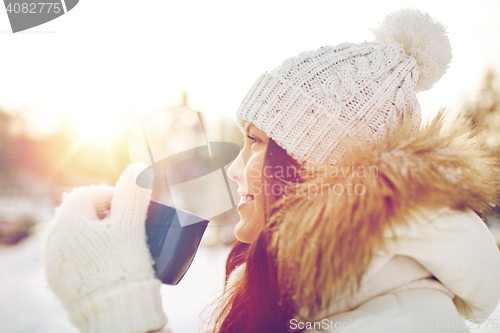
x=101 y=269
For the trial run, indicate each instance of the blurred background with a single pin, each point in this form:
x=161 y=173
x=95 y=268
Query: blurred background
x=73 y=89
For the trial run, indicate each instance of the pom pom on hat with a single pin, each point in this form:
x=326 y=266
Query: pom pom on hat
x=423 y=38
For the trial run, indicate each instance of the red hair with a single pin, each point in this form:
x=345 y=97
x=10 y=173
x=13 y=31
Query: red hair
x=254 y=303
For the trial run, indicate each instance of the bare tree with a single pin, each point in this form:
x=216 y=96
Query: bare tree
x=485 y=109
x=485 y=113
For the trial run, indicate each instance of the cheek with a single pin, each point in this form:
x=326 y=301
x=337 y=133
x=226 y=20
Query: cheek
x=252 y=216
x=253 y=178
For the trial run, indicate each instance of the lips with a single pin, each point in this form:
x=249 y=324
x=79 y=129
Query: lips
x=245 y=199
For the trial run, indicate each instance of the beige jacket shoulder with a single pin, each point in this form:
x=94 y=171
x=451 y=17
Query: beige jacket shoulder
x=459 y=251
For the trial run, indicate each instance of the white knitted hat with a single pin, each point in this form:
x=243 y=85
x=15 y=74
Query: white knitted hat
x=312 y=101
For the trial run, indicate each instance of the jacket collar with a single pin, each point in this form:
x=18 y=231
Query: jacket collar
x=317 y=235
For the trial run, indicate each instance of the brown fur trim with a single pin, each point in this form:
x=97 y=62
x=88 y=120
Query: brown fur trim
x=323 y=241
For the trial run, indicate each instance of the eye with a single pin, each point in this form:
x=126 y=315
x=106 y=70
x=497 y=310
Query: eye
x=253 y=139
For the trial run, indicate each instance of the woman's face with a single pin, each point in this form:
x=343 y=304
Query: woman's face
x=246 y=171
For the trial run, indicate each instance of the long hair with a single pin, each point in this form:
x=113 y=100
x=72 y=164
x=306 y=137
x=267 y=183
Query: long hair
x=254 y=304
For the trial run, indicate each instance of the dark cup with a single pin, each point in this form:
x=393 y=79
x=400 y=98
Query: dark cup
x=171 y=245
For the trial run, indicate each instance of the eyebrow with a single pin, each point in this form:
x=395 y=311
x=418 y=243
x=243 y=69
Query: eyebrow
x=247 y=128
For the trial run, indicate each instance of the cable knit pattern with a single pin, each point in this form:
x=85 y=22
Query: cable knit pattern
x=310 y=103
x=101 y=269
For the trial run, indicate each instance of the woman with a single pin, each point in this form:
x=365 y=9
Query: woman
x=354 y=218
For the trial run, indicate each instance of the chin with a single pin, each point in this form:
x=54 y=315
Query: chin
x=243 y=234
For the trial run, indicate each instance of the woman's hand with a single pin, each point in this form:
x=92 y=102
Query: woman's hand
x=98 y=263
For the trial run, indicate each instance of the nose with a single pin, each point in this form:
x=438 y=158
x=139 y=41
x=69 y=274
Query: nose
x=235 y=170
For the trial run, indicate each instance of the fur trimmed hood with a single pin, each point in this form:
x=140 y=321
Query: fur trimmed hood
x=332 y=224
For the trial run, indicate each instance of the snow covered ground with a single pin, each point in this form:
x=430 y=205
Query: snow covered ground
x=28 y=306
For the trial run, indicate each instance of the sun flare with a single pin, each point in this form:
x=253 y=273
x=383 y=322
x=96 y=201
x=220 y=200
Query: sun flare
x=98 y=127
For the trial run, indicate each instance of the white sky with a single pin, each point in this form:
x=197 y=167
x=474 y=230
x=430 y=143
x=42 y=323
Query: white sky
x=118 y=60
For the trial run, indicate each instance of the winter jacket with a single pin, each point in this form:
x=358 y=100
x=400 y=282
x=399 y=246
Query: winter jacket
x=425 y=259
x=460 y=254
x=433 y=276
